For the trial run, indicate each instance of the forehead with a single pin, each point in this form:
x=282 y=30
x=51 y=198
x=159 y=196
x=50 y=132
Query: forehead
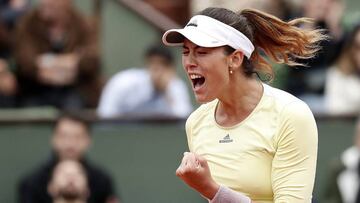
x=70 y=125
x=69 y=121
x=189 y=44
x=156 y=60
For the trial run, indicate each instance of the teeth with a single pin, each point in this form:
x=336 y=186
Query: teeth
x=194 y=76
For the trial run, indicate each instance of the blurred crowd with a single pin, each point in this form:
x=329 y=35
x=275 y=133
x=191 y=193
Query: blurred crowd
x=49 y=56
x=68 y=176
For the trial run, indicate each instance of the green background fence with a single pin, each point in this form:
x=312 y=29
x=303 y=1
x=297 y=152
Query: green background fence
x=142 y=157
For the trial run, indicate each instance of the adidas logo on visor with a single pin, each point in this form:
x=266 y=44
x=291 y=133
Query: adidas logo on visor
x=192 y=23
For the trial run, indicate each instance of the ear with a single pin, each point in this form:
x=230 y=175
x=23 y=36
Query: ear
x=235 y=60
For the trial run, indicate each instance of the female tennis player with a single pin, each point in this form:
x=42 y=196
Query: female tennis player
x=248 y=142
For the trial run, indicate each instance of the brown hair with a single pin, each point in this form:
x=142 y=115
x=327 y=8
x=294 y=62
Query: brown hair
x=283 y=42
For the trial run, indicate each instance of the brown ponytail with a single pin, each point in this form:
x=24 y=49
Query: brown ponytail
x=283 y=42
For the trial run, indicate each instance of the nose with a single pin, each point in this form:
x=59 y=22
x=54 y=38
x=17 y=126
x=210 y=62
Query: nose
x=189 y=61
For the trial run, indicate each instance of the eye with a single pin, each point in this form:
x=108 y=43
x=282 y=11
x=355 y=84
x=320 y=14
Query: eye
x=202 y=52
x=185 y=52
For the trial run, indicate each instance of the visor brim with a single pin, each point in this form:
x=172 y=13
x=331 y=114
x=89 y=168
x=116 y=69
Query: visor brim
x=176 y=37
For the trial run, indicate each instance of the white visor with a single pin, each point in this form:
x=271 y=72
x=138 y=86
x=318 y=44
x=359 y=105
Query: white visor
x=205 y=31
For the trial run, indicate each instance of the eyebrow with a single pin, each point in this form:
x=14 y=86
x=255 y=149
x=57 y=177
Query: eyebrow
x=196 y=47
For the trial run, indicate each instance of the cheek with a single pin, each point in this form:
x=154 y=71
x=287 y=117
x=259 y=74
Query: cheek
x=60 y=180
x=183 y=62
x=82 y=145
x=59 y=144
x=218 y=79
x=217 y=74
x=81 y=181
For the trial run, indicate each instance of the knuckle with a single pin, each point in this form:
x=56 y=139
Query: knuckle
x=178 y=172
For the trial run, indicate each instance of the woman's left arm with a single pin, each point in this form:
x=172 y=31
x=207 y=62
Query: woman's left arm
x=294 y=163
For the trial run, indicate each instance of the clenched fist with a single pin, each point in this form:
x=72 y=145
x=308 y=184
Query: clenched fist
x=195 y=172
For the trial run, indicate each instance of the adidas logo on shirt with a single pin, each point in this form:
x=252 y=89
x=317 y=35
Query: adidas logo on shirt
x=226 y=139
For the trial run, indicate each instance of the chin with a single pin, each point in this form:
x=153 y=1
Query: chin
x=203 y=99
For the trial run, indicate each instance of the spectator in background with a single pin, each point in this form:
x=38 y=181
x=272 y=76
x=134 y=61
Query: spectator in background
x=10 y=11
x=343 y=184
x=342 y=90
x=8 y=85
x=279 y=8
x=152 y=91
x=57 y=56
x=70 y=141
x=69 y=183
x=308 y=83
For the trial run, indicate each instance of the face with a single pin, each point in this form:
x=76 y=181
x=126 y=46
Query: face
x=69 y=181
x=160 y=71
x=71 y=139
x=356 y=51
x=52 y=10
x=207 y=69
x=316 y=8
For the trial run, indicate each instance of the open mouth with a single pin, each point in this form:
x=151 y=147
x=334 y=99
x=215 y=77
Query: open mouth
x=197 y=80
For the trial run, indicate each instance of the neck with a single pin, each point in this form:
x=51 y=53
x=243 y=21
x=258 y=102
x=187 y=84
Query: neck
x=238 y=100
